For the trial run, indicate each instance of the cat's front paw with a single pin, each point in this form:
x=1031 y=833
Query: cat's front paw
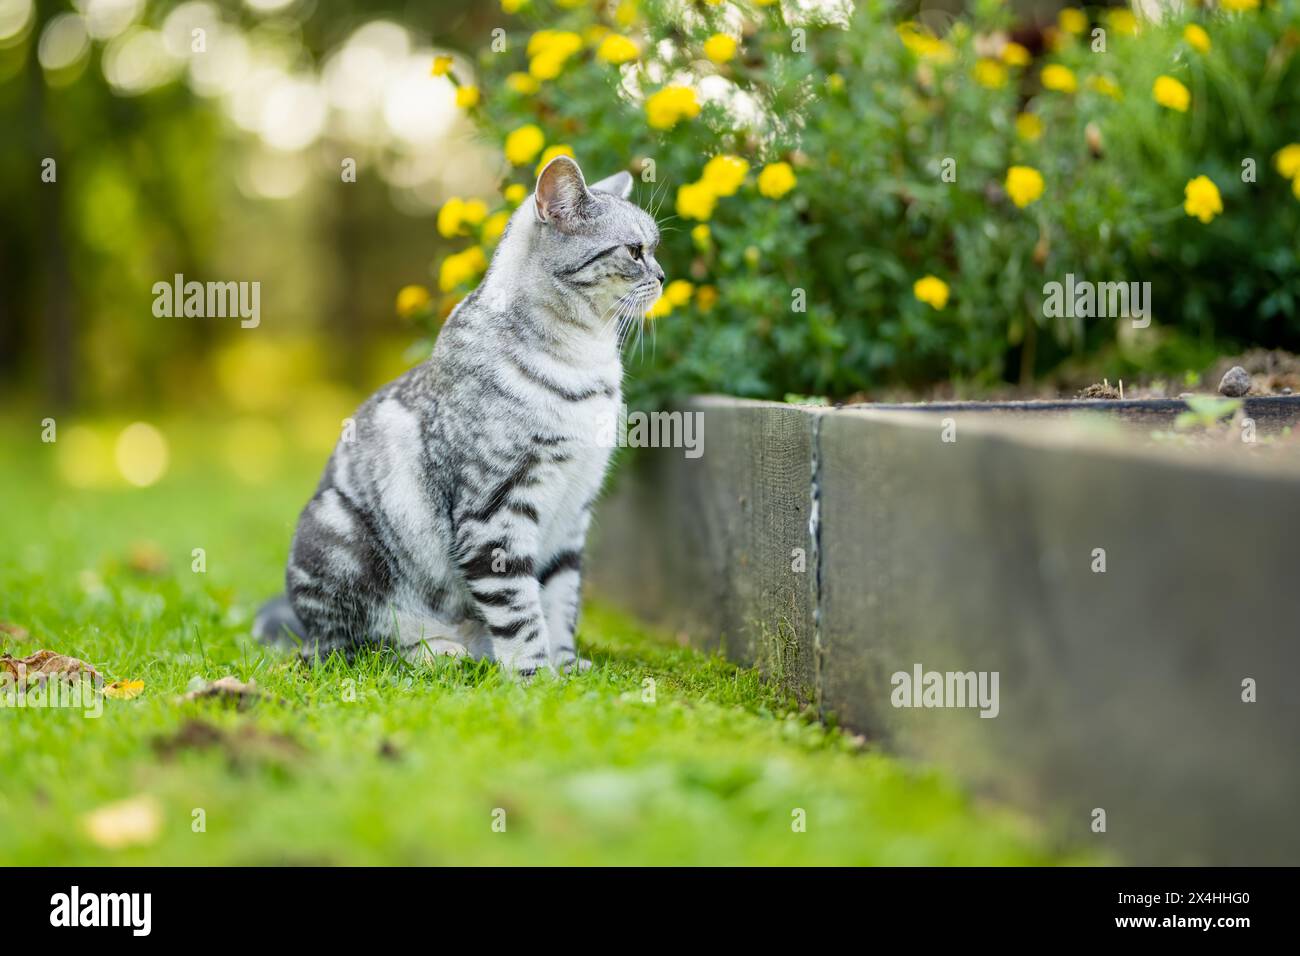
x=432 y=651
x=574 y=665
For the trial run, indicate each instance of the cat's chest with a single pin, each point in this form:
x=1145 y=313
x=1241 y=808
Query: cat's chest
x=574 y=465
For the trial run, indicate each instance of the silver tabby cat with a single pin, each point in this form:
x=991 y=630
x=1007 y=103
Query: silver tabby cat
x=452 y=520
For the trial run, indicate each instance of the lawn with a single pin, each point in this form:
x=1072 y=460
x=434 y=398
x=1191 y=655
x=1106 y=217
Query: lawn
x=380 y=762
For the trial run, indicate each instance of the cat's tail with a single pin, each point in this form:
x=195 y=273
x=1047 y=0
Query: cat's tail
x=276 y=623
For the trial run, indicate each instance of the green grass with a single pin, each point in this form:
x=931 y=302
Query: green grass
x=415 y=768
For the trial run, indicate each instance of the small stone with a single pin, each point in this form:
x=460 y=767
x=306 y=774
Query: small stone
x=1236 y=382
x=1286 y=390
x=1184 y=396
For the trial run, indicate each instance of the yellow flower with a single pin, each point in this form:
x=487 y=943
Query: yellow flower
x=550 y=154
x=678 y=292
x=1122 y=22
x=706 y=297
x=516 y=193
x=1239 y=6
x=548 y=50
x=1202 y=199
x=1059 y=78
x=720 y=48
x=1287 y=160
x=1072 y=20
x=696 y=201
x=457 y=213
x=701 y=235
x=461 y=267
x=931 y=290
x=523 y=84
x=990 y=73
x=495 y=226
x=625 y=13
x=467 y=96
x=617 y=49
x=441 y=65
x=925 y=45
x=513 y=6
x=450 y=217
x=1013 y=54
x=473 y=211
x=673 y=103
x=1029 y=127
x=1196 y=37
x=595 y=33
x=553 y=41
x=1024 y=185
x=411 y=299
x=1105 y=86
x=776 y=180
x=724 y=174
x=660 y=308
x=1171 y=94
x=523 y=144
x=835 y=83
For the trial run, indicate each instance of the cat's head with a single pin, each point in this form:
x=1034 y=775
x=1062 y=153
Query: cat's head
x=593 y=241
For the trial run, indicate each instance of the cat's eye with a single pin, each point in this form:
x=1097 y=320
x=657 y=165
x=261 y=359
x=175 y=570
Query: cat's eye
x=634 y=251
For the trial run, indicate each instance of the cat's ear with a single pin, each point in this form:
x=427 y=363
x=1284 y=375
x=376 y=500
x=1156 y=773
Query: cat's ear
x=620 y=185
x=561 y=192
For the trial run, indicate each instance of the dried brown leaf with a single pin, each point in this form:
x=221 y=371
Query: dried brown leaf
x=43 y=665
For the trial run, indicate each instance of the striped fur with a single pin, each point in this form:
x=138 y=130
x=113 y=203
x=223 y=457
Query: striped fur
x=454 y=519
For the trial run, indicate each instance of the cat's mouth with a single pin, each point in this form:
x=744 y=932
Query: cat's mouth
x=646 y=293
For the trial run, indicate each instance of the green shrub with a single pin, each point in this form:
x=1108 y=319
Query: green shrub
x=889 y=226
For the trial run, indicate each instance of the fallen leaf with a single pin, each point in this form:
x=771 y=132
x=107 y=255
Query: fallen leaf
x=147 y=558
x=126 y=823
x=124 y=689
x=229 y=689
x=43 y=665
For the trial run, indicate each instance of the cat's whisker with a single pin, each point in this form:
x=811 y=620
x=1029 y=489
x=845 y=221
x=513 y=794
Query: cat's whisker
x=661 y=198
x=617 y=308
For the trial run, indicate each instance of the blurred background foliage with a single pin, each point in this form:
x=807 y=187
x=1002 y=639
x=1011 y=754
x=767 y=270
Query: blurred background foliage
x=219 y=154
x=224 y=160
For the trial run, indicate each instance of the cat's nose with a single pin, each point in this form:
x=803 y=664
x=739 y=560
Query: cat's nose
x=657 y=271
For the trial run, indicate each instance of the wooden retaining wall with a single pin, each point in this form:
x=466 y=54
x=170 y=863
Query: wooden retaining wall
x=836 y=549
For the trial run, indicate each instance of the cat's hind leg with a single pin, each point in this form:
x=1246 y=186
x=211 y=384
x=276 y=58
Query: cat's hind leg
x=277 y=623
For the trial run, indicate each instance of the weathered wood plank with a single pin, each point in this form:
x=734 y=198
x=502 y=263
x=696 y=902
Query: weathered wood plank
x=1118 y=690
x=1271 y=412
